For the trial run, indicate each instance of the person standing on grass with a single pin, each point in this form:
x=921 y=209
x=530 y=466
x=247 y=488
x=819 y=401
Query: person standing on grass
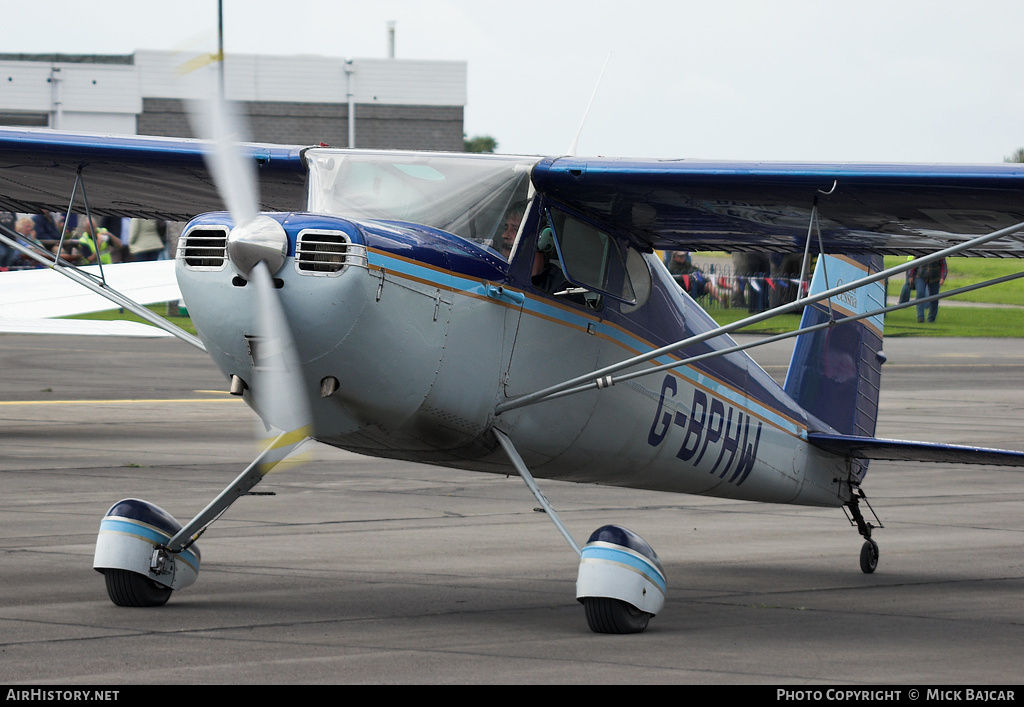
x=927 y=281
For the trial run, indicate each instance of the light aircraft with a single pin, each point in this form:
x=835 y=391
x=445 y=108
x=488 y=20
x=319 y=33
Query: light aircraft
x=364 y=300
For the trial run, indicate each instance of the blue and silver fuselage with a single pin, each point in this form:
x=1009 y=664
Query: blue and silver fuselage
x=427 y=333
x=417 y=317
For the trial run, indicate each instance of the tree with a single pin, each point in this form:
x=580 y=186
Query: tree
x=480 y=143
x=1017 y=156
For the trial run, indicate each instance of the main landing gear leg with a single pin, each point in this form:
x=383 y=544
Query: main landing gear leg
x=145 y=553
x=620 y=582
x=869 y=550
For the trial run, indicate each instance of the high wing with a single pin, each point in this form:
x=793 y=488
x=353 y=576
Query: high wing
x=889 y=209
x=141 y=177
x=911 y=209
x=904 y=209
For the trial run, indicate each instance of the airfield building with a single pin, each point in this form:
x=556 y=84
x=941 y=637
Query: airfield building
x=301 y=100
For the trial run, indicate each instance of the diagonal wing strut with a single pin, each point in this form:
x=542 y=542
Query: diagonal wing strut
x=603 y=378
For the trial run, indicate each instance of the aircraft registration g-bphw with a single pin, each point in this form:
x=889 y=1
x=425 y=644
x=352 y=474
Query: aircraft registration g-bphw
x=365 y=301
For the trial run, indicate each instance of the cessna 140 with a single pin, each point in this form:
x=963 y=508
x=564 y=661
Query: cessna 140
x=367 y=300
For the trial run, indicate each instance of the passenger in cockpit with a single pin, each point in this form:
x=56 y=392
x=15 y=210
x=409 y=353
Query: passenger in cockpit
x=542 y=265
x=547 y=274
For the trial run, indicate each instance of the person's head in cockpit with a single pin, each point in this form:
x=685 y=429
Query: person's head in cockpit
x=513 y=219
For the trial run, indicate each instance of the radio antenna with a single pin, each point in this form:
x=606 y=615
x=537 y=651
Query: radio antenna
x=572 y=147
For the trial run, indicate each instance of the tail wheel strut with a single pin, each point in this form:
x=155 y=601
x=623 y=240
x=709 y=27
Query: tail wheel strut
x=869 y=550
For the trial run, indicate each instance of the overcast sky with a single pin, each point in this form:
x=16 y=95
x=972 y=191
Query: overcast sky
x=893 y=80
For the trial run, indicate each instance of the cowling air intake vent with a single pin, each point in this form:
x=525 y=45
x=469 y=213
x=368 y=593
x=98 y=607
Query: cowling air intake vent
x=321 y=252
x=204 y=248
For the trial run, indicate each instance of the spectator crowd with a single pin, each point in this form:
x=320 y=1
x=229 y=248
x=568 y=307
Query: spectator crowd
x=87 y=240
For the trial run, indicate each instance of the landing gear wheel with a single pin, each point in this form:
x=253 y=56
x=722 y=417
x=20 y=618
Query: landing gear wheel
x=133 y=589
x=606 y=615
x=868 y=556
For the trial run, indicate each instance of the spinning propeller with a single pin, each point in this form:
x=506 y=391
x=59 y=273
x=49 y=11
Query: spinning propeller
x=257 y=248
x=143 y=552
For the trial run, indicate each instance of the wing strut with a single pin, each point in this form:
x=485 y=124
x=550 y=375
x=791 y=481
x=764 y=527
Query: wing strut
x=517 y=462
x=813 y=224
x=602 y=378
x=88 y=219
x=608 y=381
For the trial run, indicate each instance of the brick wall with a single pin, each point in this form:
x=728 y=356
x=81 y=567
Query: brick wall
x=377 y=126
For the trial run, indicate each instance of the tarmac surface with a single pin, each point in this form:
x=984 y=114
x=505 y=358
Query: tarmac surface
x=359 y=570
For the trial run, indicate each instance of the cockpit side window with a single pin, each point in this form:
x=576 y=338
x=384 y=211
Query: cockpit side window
x=594 y=260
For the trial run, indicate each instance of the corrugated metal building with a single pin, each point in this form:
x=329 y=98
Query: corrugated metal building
x=397 y=103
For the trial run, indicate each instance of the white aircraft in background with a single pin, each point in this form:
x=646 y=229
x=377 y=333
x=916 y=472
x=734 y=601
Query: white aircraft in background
x=31 y=301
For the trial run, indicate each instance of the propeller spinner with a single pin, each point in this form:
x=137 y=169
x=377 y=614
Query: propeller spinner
x=260 y=239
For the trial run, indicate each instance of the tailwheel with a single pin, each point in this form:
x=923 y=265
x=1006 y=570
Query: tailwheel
x=868 y=556
x=869 y=550
x=606 y=615
x=127 y=588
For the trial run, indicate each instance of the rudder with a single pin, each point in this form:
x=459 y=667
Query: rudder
x=835 y=372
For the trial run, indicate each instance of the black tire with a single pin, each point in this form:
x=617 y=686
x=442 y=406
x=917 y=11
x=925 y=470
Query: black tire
x=133 y=589
x=606 y=615
x=868 y=556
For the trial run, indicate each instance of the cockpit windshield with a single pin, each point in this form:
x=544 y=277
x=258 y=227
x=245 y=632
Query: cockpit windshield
x=469 y=195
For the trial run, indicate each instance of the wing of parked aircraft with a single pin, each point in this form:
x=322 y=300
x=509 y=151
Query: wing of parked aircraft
x=32 y=300
x=42 y=293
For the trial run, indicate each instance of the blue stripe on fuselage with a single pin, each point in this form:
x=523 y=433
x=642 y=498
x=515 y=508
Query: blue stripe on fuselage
x=536 y=306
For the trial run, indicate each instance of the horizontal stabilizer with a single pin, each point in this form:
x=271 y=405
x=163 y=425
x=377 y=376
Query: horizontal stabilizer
x=899 y=450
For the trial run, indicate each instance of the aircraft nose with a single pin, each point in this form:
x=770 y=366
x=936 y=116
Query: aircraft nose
x=260 y=238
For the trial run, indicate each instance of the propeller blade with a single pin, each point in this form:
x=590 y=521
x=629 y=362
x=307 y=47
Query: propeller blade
x=257 y=247
x=233 y=173
x=214 y=119
x=278 y=385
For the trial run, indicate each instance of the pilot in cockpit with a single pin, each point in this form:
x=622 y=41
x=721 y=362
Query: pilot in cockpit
x=503 y=242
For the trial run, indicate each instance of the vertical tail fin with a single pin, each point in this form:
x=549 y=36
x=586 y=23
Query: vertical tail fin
x=835 y=373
